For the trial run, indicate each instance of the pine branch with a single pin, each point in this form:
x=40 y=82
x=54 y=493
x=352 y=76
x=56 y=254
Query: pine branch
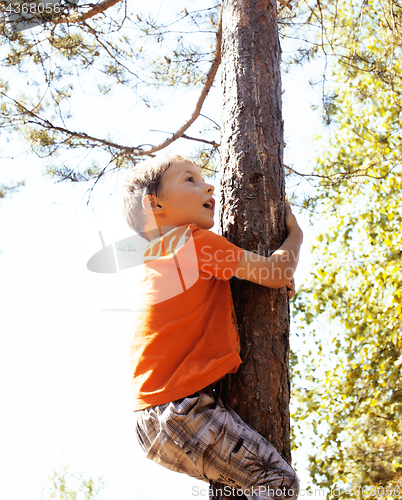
x=36 y=119
x=77 y=17
x=285 y=4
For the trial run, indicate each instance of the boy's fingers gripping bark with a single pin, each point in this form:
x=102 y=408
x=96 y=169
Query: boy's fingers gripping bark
x=291 y=289
x=290 y=219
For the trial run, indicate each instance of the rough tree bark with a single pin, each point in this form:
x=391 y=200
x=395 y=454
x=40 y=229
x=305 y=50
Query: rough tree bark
x=253 y=197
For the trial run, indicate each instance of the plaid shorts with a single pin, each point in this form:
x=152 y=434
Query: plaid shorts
x=202 y=438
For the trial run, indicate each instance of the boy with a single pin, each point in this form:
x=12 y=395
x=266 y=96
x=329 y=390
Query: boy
x=185 y=338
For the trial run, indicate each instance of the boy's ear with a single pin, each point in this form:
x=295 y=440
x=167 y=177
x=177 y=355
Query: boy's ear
x=150 y=204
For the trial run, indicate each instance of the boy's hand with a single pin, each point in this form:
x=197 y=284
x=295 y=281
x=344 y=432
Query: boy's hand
x=290 y=220
x=277 y=270
x=291 y=289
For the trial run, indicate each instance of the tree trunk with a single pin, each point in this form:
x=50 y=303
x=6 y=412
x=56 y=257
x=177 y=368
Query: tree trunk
x=252 y=200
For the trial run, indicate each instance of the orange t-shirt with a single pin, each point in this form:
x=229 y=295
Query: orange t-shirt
x=185 y=335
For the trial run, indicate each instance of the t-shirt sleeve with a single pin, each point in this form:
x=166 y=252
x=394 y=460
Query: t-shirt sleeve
x=216 y=255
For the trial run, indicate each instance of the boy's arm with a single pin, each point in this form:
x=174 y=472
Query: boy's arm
x=275 y=271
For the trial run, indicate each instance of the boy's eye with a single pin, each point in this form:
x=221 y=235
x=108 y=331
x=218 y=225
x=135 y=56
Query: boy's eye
x=190 y=179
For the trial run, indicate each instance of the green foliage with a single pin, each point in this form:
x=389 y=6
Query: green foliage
x=351 y=397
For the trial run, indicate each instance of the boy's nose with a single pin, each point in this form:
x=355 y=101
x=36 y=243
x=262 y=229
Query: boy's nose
x=209 y=188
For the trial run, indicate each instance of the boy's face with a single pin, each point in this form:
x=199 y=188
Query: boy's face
x=185 y=197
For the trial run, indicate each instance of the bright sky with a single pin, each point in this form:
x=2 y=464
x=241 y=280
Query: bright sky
x=64 y=363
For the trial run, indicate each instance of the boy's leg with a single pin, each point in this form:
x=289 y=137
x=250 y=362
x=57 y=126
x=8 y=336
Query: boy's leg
x=200 y=437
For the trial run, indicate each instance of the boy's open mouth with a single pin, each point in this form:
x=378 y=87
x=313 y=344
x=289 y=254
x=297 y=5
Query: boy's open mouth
x=210 y=204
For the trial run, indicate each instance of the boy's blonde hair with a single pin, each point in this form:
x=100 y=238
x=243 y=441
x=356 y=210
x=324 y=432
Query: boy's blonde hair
x=142 y=180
